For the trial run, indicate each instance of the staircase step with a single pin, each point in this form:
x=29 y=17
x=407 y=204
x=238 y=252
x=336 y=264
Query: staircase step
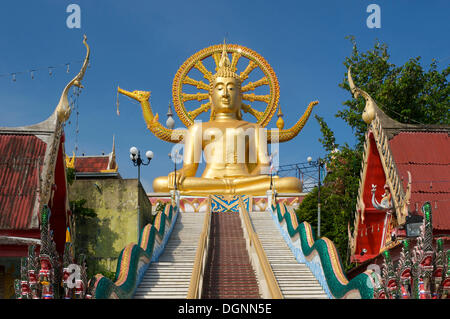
x=167 y=289
x=294 y=279
x=166 y=284
x=170 y=276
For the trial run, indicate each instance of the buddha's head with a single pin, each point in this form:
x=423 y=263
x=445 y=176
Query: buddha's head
x=225 y=89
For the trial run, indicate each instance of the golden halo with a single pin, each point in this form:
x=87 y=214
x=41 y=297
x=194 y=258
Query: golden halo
x=237 y=51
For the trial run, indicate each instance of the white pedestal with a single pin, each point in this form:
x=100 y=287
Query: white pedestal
x=270 y=198
x=175 y=196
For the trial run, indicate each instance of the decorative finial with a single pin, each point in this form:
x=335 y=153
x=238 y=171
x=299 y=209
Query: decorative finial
x=112 y=164
x=63 y=109
x=70 y=162
x=280 y=121
x=170 y=123
x=114 y=145
x=370 y=109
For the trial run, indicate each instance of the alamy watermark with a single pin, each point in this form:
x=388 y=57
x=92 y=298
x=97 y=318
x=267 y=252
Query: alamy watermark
x=374 y=19
x=73 y=21
x=228 y=146
x=377 y=270
x=74 y=272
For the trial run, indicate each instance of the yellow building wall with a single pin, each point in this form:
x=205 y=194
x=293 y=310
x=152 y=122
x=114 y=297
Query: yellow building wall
x=115 y=201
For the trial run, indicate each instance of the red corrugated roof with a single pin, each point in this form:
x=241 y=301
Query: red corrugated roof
x=427 y=156
x=21 y=160
x=91 y=164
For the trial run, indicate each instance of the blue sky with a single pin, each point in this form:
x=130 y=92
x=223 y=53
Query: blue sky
x=141 y=45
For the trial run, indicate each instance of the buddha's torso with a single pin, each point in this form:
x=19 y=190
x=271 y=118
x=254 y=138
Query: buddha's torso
x=227 y=149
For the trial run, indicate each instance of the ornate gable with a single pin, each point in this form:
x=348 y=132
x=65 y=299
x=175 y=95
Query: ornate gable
x=401 y=158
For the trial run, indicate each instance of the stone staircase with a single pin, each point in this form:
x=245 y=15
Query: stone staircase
x=228 y=271
x=294 y=279
x=170 y=276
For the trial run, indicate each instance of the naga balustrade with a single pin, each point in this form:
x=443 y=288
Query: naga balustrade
x=321 y=256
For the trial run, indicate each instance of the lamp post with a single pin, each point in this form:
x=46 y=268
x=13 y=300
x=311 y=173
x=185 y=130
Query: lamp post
x=175 y=172
x=174 y=156
x=272 y=168
x=135 y=156
x=320 y=163
x=271 y=173
x=271 y=183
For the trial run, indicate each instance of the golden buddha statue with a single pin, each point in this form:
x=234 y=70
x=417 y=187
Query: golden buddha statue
x=235 y=150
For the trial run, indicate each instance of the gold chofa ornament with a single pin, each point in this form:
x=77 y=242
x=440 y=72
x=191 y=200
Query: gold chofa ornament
x=232 y=167
x=224 y=70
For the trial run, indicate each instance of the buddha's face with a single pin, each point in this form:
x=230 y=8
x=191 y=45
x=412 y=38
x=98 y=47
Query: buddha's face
x=226 y=96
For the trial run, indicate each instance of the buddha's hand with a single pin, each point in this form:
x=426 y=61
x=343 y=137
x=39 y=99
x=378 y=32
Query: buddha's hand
x=180 y=176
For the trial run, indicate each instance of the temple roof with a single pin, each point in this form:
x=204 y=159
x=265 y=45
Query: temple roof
x=423 y=150
x=27 y=164
x=413 y=161
x=21 y=160
x=426 y=155
x=91 y=164
x=32 y=175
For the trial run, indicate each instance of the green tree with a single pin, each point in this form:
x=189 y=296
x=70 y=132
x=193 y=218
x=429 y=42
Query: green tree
x=81 y=215
x=338 y=195
x=70 y=173
x=407 y=93
x=81 y=212
x=328 y=141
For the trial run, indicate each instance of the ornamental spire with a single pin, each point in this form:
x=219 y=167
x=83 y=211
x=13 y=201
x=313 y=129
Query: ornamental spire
x=224 y=60
x=224 y=68
x=63 y=109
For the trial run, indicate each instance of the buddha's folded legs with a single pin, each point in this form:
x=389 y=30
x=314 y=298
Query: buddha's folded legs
x=191 y=185
x=260 y=186
x=251 y=185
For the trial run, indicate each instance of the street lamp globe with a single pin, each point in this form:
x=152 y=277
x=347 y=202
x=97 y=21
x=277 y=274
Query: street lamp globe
x=149 y=155
x=134 y=151
x=309 y=159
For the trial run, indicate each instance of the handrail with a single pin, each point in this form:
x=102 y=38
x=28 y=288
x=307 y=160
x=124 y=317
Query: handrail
x=271 y=281
x=200 y=258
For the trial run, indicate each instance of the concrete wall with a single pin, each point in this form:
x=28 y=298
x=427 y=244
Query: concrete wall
x=9 y=270
x=115 y=201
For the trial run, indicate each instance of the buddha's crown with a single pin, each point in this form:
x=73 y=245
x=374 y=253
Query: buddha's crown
x=225 y=70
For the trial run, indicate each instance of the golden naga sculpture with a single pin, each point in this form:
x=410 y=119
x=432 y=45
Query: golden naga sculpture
x=235 y=150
